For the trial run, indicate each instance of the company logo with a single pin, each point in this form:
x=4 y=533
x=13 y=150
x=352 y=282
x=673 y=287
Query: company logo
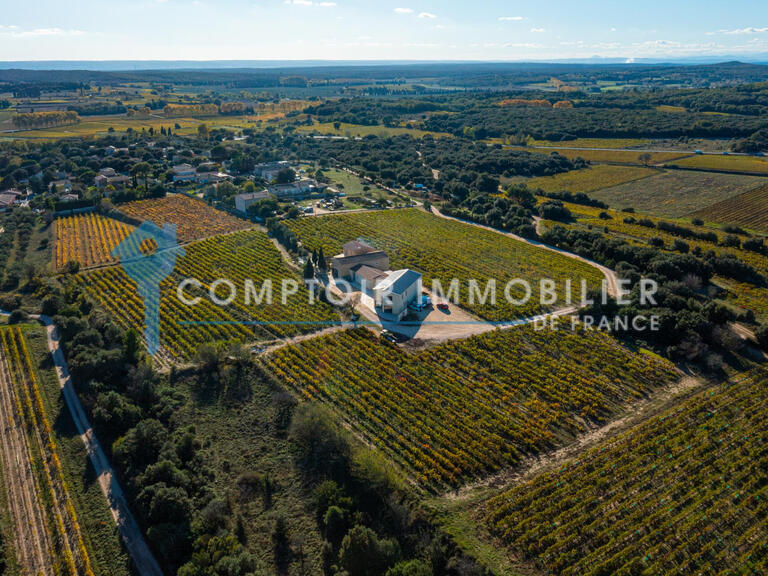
x=148 y=257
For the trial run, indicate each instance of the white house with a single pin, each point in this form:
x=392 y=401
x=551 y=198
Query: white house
x=395 y=293
x=243 y=201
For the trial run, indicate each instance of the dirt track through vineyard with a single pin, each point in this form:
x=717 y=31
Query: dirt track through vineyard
x=30 y=531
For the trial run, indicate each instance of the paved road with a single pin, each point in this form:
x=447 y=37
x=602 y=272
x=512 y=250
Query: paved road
x=142 y=556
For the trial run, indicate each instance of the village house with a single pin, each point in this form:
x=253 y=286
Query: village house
x=60 y=186
x=270 y=170
x=297 y=189
x=212 y=177
x=244 y=201
x=108 y=176
x=7 y=201
x=184 y=173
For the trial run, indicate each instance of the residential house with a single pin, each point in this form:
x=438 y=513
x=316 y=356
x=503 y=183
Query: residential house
x=108 y=176
x=184 y=173
x=357 y=253
x=244 y=201
x=7 y=201
x=297 y=189
x=212 y=177
x=60 y=185
x=270 y=170
x=394 y=294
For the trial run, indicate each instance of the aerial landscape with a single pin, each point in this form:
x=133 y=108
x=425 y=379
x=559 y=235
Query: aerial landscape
x=333 y=288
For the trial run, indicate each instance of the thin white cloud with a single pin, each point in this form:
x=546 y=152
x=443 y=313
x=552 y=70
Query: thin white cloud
x=42 y=32
x=404 y=10
x=427 y=15
x=538 y=30
x=743 y=31
x=520 y=45
x=510 y=18
x=310 y=3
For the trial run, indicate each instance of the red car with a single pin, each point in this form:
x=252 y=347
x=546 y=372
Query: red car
x=442 y=306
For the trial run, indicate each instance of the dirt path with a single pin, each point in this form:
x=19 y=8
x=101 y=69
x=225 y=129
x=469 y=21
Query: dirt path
x=302 y=338
x=142 y=556
x=612 y=280
x=33 y=546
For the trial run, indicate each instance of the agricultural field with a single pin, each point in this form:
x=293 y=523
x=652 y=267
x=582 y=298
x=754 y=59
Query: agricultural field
x=594 y=143
x=590 y=179
x=742 y=295
x=445 y=249
x=237 y=257
x=46 y=505
x=749 y=210
x=99 y=126
x=726 y=163
x=194 y=219
x=87 y=238
x=676 y=193
x=610 y=156
x=684 y=493
x=466 y=409
x=359 y=130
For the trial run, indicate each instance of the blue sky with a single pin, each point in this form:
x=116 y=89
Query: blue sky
x=384 y=29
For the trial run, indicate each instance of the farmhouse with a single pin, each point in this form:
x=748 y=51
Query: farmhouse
x=304 y=187
x=357 y=253
x=244 y=201
x=395 y=293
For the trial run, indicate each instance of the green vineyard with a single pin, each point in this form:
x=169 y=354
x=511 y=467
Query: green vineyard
x=685 y=493
x=466 y=409
x=237 y=258
x=445 y=249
